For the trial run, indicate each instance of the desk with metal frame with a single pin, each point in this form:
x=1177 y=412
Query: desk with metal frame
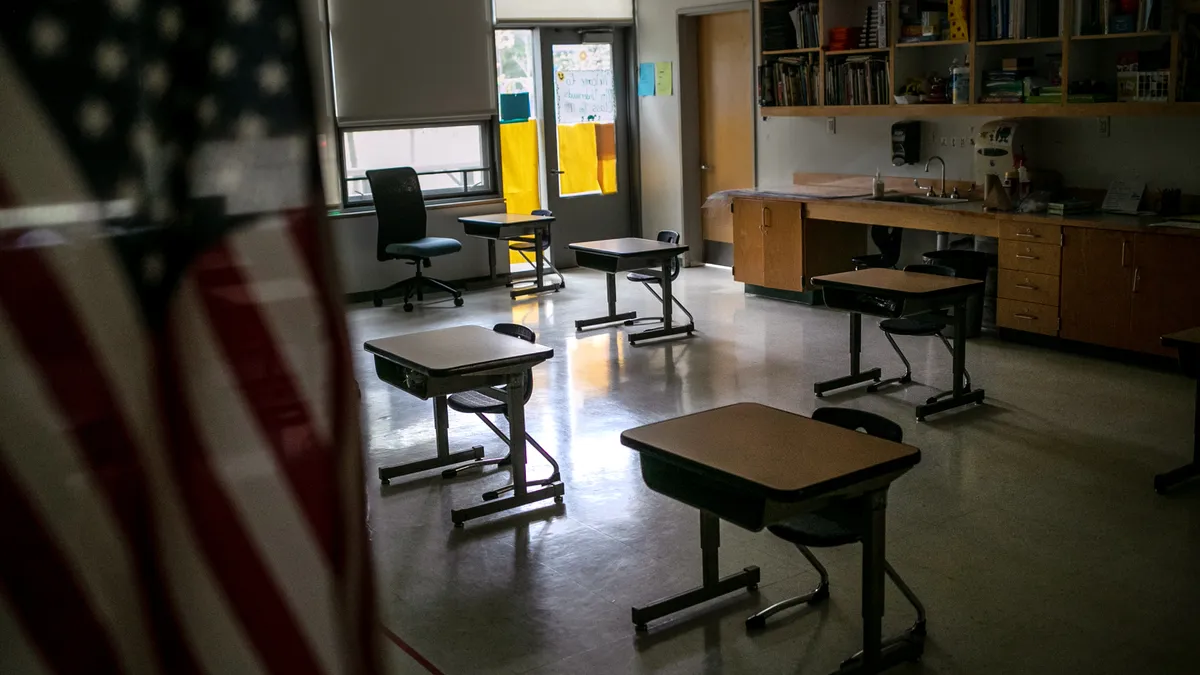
x=1188 y=344
x=753 y=466
x=437 y=363
x=506 y=227
x=894 y=293
x=629 y=254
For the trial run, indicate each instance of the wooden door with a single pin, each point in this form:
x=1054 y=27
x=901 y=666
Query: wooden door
x=783 y=246
x=726 y=112
x=1166 y=290
x=1097 y=286
x=748 y=227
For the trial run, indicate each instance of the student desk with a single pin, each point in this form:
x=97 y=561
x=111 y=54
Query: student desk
x=753 y=465
x=1188 y=344
x=893 y=293
x=437 y=363
x=630 y=254
x=506 y=227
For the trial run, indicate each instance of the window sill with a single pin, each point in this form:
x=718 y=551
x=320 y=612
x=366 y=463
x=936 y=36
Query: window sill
x=482 y=200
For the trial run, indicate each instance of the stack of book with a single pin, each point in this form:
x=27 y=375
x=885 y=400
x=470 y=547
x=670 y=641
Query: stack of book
x=858 y=80
x=1018 y=19
x=804 y=21
x=789 y=81
x=875 y=27
x=1010 y=84
x=777 y=30
x=1068 y=207
x=1095 y=17
x=843 y=38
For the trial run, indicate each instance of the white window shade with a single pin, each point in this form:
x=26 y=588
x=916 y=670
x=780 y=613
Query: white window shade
x=412 y=61
x=563 y=10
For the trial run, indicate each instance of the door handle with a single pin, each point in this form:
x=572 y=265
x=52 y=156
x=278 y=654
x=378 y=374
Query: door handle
x=1124 y=248
x=1026 y=317
x=1137 y=277
x=1026 y=257
x=1028 y=234
x=766 y=212
x=1027 y=287
x=705 y=167
x=557 y=172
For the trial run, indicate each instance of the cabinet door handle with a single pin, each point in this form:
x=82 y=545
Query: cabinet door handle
x=1124 y=248
x=1027 y=287
x=1028 y=235
x=1027 y=317
x=1137 y=277
x=766 y=220
x=1026 y=257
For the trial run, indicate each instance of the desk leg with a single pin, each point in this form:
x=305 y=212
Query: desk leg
x=441 y=424
x=539 y=277
x=877 y=654
x=667 y=329
x=856 y=376
x=959 y=395
x=492 y=259
x=611 y=281
x=516 y=450
x=714 y=586
x=1165 y=481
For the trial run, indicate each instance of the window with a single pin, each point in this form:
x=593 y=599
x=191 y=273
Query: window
x=451 y=160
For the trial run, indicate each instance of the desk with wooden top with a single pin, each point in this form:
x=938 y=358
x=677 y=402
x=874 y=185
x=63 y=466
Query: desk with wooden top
x=506 y=227
x=629 y=254
x=1187 y=342
x=754 y=465
x=893 y=293
x=437 y=363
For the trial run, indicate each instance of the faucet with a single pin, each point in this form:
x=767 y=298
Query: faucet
x=943 y=193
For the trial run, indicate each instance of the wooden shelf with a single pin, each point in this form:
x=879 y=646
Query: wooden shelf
x=1019 y=41
x=937 y=43
x=924 y=111
x=1120 y=36
x=783 y=52
x=852 y=52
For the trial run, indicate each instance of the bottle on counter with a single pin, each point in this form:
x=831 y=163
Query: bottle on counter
x=877 y=186
x=960 y=83
x=1023 y=187
x=1012 y=183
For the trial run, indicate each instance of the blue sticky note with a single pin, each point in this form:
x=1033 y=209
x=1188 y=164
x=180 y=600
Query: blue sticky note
x=645 y=79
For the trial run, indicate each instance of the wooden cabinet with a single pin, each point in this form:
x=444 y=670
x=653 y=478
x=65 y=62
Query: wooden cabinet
x=1027 y=285
x=1127 y=290
x=775 y=246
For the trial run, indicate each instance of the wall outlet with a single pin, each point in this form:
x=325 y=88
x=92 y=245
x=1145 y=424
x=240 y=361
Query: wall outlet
x=831 y=125
x=1104 y=126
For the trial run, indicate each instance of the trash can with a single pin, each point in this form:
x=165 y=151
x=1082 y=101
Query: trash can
x=967 y=265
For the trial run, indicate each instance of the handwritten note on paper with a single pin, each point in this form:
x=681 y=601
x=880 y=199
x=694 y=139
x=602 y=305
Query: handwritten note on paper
x=584 y=96
x=662 y=78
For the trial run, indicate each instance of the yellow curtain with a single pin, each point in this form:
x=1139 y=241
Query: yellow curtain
x=519 y=165
x=577 y=158
x=606 y=155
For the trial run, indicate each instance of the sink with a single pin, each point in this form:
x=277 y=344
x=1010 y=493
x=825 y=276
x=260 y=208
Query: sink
x=917 y=199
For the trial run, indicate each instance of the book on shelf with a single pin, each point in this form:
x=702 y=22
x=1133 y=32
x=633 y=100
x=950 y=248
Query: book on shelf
x=805 y=23
x=1103 y=17
x=857 y=80
x=1018 y=19
x=789 y=81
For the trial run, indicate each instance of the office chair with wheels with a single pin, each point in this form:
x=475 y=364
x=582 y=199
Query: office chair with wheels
x=527 y=247
x=400 y=210
x=838 y=524
x=888 y=241
x=651 y=278
x=481 y=405
x=930 y=324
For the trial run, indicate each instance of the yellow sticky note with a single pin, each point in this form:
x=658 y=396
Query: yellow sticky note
x=662 y=78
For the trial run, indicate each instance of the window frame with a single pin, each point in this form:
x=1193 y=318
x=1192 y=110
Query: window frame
x=488 y=133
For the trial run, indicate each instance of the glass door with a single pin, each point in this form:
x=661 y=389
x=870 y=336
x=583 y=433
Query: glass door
x=584 y=103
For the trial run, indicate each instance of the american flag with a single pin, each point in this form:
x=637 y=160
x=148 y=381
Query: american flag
x=180 y=458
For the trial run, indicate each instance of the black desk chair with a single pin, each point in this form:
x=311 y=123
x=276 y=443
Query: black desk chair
x=652 y=278
x=400 y=210
x=481 y=405
x=838 y=524
x=527 y=247
x=888 y=241
x=930 y=324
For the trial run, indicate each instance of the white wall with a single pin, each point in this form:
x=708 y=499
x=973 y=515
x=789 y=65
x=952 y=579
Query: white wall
x=354 y=242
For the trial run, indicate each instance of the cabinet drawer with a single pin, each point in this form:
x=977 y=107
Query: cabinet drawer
x=1028 y=287
x=1039 y=258
x=1033 y=233
x=1027 y=316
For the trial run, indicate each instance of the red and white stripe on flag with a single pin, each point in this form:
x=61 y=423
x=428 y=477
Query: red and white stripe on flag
x=179 y=498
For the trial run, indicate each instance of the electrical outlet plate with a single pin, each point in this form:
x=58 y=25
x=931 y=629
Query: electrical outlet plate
x=831 y=125
x=1104 y=126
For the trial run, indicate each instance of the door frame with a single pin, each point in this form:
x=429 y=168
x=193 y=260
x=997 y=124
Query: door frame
x=628 y=30
x=689 y=116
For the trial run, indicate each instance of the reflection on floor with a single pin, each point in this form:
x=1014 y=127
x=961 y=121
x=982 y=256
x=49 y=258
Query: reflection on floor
x=1030 y=529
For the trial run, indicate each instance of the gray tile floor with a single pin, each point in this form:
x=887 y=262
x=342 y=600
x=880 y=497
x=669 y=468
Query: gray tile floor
x=1030 y=529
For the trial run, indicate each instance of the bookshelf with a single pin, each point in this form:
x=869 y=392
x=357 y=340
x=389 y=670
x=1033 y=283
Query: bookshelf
x=1081 y=50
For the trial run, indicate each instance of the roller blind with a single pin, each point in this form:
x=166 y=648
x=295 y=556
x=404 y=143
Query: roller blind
x=562 y=10
x=408 y=61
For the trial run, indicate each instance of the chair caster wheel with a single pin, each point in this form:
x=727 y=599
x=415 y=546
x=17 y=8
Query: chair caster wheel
x=489 y=496
x=920 y=419
x=641 y=628
x=408 y=307
x=458 y=525
x=756 y=623
x=385 y=481
x=820 y=395
x=458 y=302
x=752 y=587
x=558 y=499
x=377 y=301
